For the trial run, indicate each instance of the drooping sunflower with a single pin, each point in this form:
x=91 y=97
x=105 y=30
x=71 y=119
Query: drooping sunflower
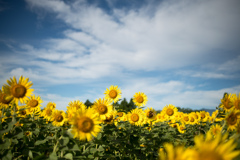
x=103 y=107
x=113 y=93
x=215 y=129
x=18 y=91
x=170 y=110
x=136 y=117
x=110 y=119
x=226 y=102
x=175 y=153
x=236 y=101
x=85 y=124
x=58 y=117
x=4 y=102
x=140 y=99
x=48 y=110
x=214 y=148
x=34 y=103
x=232 y=119
x=150 y=114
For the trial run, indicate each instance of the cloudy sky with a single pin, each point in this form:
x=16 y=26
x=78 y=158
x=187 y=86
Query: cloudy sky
x=180 y=52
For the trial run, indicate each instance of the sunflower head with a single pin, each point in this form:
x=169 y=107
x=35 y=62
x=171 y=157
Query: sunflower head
x=48 y=110
x=236 y=101
x=58 y=118
x=140 y=99
x=136 y=117
x=4 y=101
x=103 y=107
x=150 y=114
x=232 y=119
x=34 y=103
x=226 y=102
x=113 y=93
x=85 y=124
x=170 y=111
x=18 y=91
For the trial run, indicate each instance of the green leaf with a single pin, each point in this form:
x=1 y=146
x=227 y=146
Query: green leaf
x=6 y=144
x=53 y=156
x=90 y=156
x=30 y=154
x=68 y=156
x=64 y=141
x=93 y=150
x=38 y=142
x=8 y=156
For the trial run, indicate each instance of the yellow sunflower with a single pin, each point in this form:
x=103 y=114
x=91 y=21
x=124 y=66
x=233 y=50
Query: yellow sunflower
x=111 y=119
x=113 y=93
x=76 y=104
x=175 y=153
x=181 y=128
x=48 y=110
x=236 y=101
x=18 y=91
x=150 y=114
x=58 y=117
x=192 y=119
x=4 y=102
x=103 y=107
x=232 y=119
x=85 y=124
x=204 y=116
x=136 y=117
x=214 y=148
x=22 y=111
x=185 y=118
x=226 y=102
x=170 y=110
x=214 y=116
x=215 y=129
x=140 y=99
x=34 y=103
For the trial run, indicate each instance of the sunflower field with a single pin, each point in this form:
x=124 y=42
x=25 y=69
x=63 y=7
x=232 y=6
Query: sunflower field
x=105 y=131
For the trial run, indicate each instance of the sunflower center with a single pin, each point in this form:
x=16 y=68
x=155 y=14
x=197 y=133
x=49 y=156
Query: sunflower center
x=108 y=119
x=120 y=114
x=85 y=124
x=113 y=94
x=102 y=109
x=4 y=100
x=33 y=103
x=202 y=116
x=59 y=118
x=170 y=112
x=139 y=99
x=19 y=91
x=23 y=112
x=191 y=119
x=134 y=117
x=232 y=120
x=48 y=112
x=150 y=114
x=186 y=118
x=181 y=128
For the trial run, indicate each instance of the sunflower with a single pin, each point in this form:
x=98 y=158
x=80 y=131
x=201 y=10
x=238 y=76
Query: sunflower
x=103 y=107
x=232 y=119
x=204 y=116
x=85 y=124
x=185 y=118
x=214 y=116
x=175 y=153
x=170 y=110
x=150 y=114
x=226 y=102
x=34 y=103
x=136 y=117
x=215 y=129
x=22 y=111
x=113 y=93
x=214 y=148
x=48 y=110
x=181 y=128
x=197 y=116
x=192 y=119
x=236 y=101
x=73 y=107
x=111 y=119
x=76 y=104
x=58 y=117
x=18 y=91
x=140 y=99
x=28 y=133
x=4 y=102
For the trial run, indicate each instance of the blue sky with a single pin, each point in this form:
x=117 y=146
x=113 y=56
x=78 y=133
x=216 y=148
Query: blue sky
x=180 y=52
